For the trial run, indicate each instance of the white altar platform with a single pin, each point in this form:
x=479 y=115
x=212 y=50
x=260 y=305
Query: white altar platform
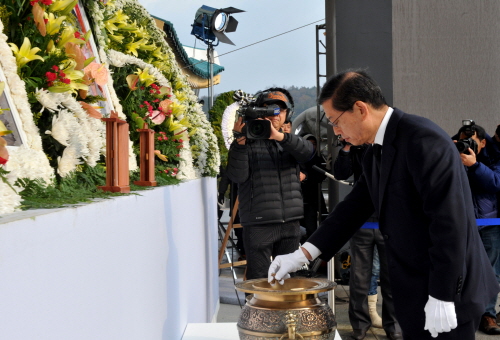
x=140 y=266
x=217 y=331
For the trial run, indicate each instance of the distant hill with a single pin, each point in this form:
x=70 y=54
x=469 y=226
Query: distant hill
x=303 y=97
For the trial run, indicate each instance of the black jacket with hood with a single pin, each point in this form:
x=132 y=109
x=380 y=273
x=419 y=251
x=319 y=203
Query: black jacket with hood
x=267 y=173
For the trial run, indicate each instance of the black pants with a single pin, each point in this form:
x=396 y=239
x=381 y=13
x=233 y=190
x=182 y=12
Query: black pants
x=363 y=243
x=268 y=240
x=465 y=331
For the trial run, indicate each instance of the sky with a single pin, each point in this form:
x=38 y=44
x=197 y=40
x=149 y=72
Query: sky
x=286 y=60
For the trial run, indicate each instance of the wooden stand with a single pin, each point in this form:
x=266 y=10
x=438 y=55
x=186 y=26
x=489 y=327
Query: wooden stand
x=230 y=226
x=147 y=157
x=117 y=174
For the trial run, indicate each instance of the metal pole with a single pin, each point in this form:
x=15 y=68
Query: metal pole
x=331 y=69
x=210 y=59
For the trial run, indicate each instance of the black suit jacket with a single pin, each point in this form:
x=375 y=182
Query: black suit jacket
x=427 y=219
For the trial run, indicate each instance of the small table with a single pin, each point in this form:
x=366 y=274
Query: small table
x=217 y=331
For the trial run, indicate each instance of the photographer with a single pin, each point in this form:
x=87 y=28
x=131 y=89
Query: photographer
x=482 y=163
x=496 y=137
x=267 y=173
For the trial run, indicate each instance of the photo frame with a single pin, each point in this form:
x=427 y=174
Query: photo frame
x=10 y=116
x=90 y=50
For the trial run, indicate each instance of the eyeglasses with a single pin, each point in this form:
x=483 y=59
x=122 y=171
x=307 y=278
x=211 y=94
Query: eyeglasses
x=334 y=123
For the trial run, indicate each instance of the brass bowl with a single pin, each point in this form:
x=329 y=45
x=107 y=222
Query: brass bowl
x=289 y=311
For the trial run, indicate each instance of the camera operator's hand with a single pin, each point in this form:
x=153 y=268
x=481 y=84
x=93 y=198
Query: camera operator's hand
x=302 y=176
x=238 y=127
x=275 y=134
x=468 y=160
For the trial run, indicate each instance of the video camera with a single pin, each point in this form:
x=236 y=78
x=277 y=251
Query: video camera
x=464 y=144
x=250 y=110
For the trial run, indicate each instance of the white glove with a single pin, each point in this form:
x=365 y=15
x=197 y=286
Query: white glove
x=440 y=316
x=284 y=264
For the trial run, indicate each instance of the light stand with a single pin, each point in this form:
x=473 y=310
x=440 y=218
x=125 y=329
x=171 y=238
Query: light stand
x=210 y=58
x=209 y=25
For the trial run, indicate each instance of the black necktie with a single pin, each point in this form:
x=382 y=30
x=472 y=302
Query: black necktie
x=377 y=154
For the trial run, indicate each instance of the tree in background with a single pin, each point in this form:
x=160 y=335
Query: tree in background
x=222 y=101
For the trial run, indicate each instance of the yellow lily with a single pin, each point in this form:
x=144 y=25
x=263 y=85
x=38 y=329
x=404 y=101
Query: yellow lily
x=174 y=126
x=126 y=27
x=110 y=26
x=120 y=16
x=68 y=8
x=50 y=46
x=178 y=109
x=185 y=122
x=61 y=5
x=147 y=47
x=116 y=37
x=68 y=35
x=133 y=46
x=26 y=53
x=3 y=129
x=180 y=96
x=158 y=53
x=160 y=156
x=141 y=32
x=192 y=132
x=2 y=87
x=144 y=76
x=54 y=24
x=68 y=67
x=76 y=79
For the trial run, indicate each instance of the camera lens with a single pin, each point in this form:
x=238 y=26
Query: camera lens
x=257 y=129
x=462 y=146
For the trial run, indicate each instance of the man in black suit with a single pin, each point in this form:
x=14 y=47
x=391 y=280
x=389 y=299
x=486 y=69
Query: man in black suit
x=440 y=275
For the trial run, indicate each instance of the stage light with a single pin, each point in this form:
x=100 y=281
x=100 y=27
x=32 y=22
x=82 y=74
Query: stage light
x=211 y=24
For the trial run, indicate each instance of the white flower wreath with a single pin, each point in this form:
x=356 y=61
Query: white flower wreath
x=227 y=124
x=28 y=160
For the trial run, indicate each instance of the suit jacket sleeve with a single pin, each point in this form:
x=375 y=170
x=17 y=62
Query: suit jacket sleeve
x=443 y=193
x=342 y=168
x=347 y=217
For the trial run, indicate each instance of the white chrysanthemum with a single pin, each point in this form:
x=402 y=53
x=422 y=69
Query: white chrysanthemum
x=68 y=161
x=132 y=161
x=48 y=99
x=28 y=163
x=10 y=200
x=186 y=170
x=60 y=130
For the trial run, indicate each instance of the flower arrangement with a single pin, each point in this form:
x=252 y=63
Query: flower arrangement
x=129 y=36
x=59 y=85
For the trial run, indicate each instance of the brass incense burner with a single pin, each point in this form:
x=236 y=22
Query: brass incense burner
x=289 y=311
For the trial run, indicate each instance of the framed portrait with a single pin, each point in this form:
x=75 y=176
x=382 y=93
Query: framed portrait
x=90 y=50
x=10 y=116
